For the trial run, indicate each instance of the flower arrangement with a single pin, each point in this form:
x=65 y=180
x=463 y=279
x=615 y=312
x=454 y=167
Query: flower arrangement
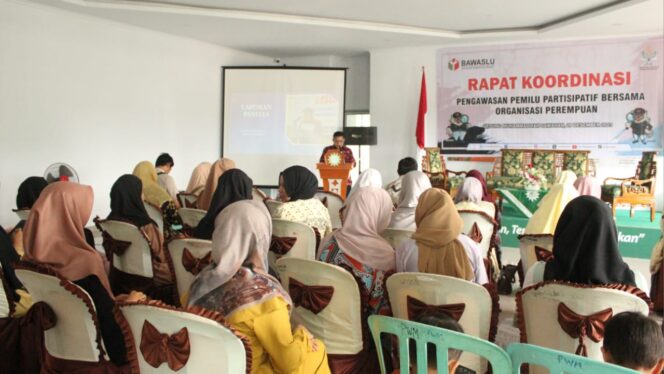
x=533 y=178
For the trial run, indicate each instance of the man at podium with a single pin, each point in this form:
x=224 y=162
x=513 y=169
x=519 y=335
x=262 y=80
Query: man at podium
x=338 y=143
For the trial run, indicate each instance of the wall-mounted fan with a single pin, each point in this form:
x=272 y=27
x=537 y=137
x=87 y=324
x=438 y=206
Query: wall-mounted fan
x=60 y=172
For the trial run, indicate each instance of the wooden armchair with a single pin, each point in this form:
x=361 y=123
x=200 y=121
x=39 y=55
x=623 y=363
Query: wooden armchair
x=637 y=190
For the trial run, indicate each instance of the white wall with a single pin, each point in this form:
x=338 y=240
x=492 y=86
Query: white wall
x=395 y=91
x=102 y=96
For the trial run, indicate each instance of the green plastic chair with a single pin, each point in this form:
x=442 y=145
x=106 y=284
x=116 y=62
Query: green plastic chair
x=558 y=362
x=441 y=338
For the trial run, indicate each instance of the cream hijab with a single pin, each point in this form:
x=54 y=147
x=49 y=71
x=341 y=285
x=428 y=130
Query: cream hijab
x=438 y=227
x=368 y=178
x=218 y=168
x=471 y=190
x=242 y=235
x=367 y=214
x=198 y=178
x=153 y=193
x=53 y=234
x=545 y=218
x=413 y=184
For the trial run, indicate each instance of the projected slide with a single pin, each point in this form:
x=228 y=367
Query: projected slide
x=275 y=118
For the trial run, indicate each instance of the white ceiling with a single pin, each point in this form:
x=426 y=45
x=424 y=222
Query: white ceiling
x=282 y=28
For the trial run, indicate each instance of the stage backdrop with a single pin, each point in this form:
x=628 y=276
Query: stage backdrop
x=601 y=95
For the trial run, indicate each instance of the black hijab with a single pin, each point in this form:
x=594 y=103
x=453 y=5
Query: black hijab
x=585 y=246
x=126 y=202
x=8 y=257
x=28 y=192
x=234 y=185
x=300 y=183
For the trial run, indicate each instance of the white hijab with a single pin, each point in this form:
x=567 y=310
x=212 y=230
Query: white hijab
x=413 y=184
x=368 y=178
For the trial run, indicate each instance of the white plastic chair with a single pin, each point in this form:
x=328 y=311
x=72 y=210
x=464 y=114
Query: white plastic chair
x=74 y=336
x=198 y=248
x=5 y=302
x=334 y=204
x=272 y=205
x=257 y=194
x=191 y=217
x=537 y=312
x=436 y=289
x=155 y=215
x=485 y=224
x=305 y=243
x=396 y=236
x=339 y=325
x=187 y=200
x=527 y=244
x=22 y=214
x=137 y=259
x=211 y=344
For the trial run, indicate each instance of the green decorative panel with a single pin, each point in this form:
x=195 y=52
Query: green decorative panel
x=576 y=162
x=545 y=163
x=511 y=163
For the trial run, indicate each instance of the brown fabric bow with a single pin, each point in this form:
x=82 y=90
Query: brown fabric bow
x=313 y=298
x=578 y=326
x=543 y=254
x=158 y=348
x=195 y=265
x=318 y=237
x=281 y=245
x=416 y=308
x=115 y=246
x=475 y=233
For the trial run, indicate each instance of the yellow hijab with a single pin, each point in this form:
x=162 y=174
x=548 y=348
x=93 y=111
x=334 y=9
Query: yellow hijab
x=152 y=192
x=438 y=226
x=545 y=218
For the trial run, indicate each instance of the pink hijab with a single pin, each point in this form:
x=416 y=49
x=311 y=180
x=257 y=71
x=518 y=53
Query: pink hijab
x=588 y=186
x=367 y=214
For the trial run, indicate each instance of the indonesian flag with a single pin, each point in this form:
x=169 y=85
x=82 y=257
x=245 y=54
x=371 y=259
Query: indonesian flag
x=421 y=113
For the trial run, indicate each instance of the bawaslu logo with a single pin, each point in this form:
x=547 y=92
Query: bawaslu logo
x=471 y=63
x=648 y=59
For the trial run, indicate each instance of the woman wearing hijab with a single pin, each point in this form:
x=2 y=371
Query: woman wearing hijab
x=15 y=291
x=368 y=178
x=234 y=185
x=485 y=191
x=358 y=246
x=28 y=193
x=198 y=179
x=585 y=248
x=657 y=277
x=156 y=196
x=297 y=190
x=254 y=303
x=470 y=197
x=218 y=169
x=127 y=206
x=588 y=186
x=438 y=245
x=54 y=237
x=551 y=206
x=413 y=185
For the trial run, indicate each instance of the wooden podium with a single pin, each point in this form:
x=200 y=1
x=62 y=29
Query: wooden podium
x=334 y=173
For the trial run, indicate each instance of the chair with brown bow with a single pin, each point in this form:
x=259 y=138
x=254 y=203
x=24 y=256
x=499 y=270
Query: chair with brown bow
x=528 y=245
x=167 y=340
x=483 y=229
x=74 y=340
x=156 y=215
x=470 y=304
x=187 y=200
x=291 y=239
x=189 y=257
x=191 y=217
x=396 y=236
x=570 y=317
x=326 y=301
x=334 y=203
x=636 y=190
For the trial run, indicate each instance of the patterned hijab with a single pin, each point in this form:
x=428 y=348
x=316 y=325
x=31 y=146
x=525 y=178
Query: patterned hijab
x=54 y=233
x=413 y=184
x=198 y=178
x=218 y=168
x=438 y=227
x=153 y=193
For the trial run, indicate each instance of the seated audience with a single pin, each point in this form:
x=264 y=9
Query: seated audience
x=218 y=168
x=485 y=191
x=634 y=341
x=198 y=179
x=470 y=197
x=657 y=272
x=405 y=166
x=546 y=216
x=127 y=206
x=359 y=248
x=413 y=185
x=443 y=321
x=54 y=238
x=13 y=286
x=164 y=166
x=585 y=248
x=438 y=245
x=254 y=303
x=588 y=186
x=156 y=196
x=368 y=178
x=234 y=185
x=297 y=190
x=28 y=193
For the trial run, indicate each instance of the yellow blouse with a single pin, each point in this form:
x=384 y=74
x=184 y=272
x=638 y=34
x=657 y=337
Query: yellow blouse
x=275 y=348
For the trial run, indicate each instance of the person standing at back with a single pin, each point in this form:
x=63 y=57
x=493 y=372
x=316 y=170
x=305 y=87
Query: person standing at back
x=339 y=144
x=164 y=165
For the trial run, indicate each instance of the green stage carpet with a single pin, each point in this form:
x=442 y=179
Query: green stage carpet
x=637 y=236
